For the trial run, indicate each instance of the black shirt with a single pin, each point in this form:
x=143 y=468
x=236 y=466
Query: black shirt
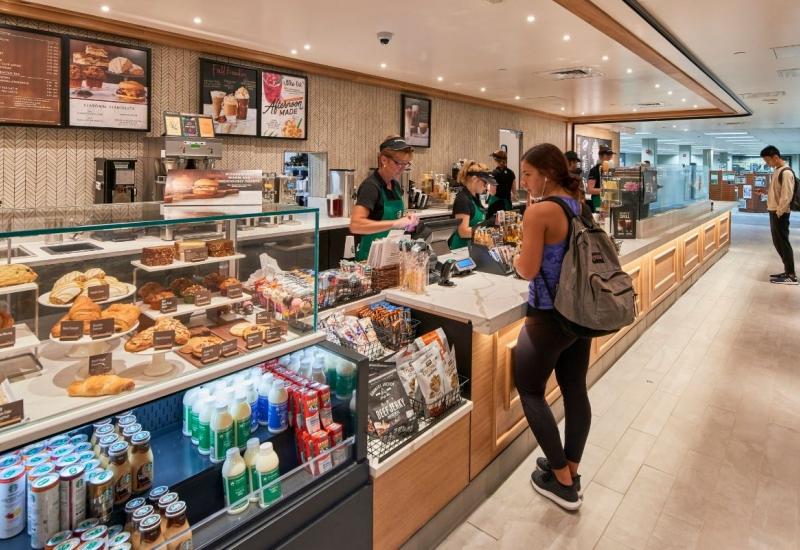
x=465 y=203
x=594 y=174
x=505 y=178
x=369 y=195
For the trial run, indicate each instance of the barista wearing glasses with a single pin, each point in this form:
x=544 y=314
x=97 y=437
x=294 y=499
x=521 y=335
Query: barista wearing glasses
x=467 y=207
x=379 y=203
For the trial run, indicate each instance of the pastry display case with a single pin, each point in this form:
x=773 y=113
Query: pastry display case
x=199 y=357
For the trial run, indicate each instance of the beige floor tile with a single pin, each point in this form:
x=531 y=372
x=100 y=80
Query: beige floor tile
x=468 y=537
x=640 y=508
x=655 y=413
x=721 y=529
x=671 y=446
x=673 y=534
x=587 y=525
x=713 y=432
x=774 y=519
x=608 y=429
x=624 y=462
x=606 y=543
x=690 y=494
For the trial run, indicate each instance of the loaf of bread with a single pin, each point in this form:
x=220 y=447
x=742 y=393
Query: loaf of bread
x=103 y=384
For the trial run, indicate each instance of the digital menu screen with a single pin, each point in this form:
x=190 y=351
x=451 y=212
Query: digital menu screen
x=30 y=77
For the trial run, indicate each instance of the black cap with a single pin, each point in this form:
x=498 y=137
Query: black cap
x=396 y=144
x=571 y=156
x=485 y=176
x=605 y=150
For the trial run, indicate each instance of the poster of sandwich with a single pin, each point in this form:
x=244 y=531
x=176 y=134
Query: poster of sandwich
x=109 y=85
x=213 y=187
x=228 y=93
x=284 y=101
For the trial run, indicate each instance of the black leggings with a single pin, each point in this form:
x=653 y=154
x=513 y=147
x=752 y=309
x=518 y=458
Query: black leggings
x=542 y=347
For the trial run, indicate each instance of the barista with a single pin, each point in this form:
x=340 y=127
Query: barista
x=594 y=183
x=467 y=207
x=379 y=202
x=506 y=181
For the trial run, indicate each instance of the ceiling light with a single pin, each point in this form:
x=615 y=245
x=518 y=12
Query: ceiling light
x=294 y=52
x=567 y=38
x=635 y=110
x=583 y=113
x=658 y=85
x=686 y=129
x=669 y=92
x=605 y=58
x=439 y=78
x=683 y=99
x=674 y=125
x=563 y=108
x=629 y=71
x=531 y=19
x=483 y=89
x=644 y=133
x=307 y=47
x=726 y=133
x=517 y=97
x=383 y=65
x=694 y=106
x=105 y=9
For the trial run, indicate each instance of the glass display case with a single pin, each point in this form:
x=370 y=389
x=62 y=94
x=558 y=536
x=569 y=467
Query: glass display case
x=123 y=316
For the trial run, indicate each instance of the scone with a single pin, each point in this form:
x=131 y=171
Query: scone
x=65 y=293
x=116 y=290
x=94 y=273
x=239 y=328
x=16 y=274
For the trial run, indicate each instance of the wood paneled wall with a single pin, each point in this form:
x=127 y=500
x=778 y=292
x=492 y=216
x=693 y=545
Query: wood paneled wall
x=48 y=167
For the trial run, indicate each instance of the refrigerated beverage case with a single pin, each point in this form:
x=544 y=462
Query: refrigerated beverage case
x=278 y=415
x=267 y=468
x=234 y=482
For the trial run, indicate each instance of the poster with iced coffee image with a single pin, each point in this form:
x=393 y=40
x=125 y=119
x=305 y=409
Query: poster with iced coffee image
x=416 y=120
x=228 y=95
x=108 y=85
x=284 y=102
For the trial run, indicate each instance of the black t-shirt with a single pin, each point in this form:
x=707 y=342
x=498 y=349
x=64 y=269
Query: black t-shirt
x=369 y=195
x=505 y=178
x=594 y=174
x=465 y=203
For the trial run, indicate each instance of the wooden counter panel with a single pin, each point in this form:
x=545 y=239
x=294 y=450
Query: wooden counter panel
x=482 y=383
x=637 y=270
x=665 y=272
x=709 y=240
x=691 y=253
x=411 y=493
x=724 y=230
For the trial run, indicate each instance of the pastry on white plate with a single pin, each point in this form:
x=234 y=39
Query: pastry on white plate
x=71 y=277
x=64 y=294
x=94 y=273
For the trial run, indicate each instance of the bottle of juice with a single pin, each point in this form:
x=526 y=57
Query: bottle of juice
x=234 y=482
x=345 y=379
x=240 y=412
x=205 y=406
x=221 y=432
x=250 y=461
x=264 y=385
x=252 y=400
x=188 y=398
x=278 y=416
x=268 y=471
x=194 y=413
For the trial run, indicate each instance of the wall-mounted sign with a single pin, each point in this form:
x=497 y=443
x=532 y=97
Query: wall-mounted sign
x=229 y=95
x=415 y=124
x=284 y=105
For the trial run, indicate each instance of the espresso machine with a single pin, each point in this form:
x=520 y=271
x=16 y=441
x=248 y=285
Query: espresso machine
x=280 y=190
x=114 y=180
x=162 y=154
x=341 y=193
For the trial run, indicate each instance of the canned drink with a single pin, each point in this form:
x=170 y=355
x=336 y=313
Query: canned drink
x=78 y=439
x=43 y=509
x=41 y=470
x=114 y=530
x=101 y=495
x=117 y=540
x=57 y=441
x=36 y=460
x=92 y=545
x=99 y=533
x=92 y=464
x=57 y=539
x=84 y=447
x=69 y=544
x=9 y=460
x=85 y=525
x=12 y=501
x=34 y=449
x=85 y=456
x=123 y=546
x=72 y=496
x=66 y=462
x=61 y=452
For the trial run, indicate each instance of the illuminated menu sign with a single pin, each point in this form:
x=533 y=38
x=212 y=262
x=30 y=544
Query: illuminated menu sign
x=30 y=77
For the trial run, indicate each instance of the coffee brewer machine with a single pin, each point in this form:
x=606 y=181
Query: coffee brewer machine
x=341 y=193
x=166 y=153
x=114 y=180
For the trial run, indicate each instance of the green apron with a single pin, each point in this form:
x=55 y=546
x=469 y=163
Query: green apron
x=392 y=210
x=456 y=241
x=506 y=202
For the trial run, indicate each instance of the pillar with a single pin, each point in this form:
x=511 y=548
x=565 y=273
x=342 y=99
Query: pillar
x=708 y=159
x=650 y=151
x=685 y=155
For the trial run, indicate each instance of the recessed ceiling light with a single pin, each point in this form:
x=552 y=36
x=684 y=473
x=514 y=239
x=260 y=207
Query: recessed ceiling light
x=674 y=125
x=563 y=108
x=686 y=129
x=105 y=9
x=197 y=20
x=583 y=113
x=644 y=133
x=439 y=78
x=306 y=47
x=567 y=38
x=605 y=58
x=517 y=97
x=294 y=52
x=629 y=71
x=636 y=110
x=669 y=92
x=383 y=65
x=658 y=85
x=483 y=89
x=531 y=19
x=683 y=99
x=694 y=106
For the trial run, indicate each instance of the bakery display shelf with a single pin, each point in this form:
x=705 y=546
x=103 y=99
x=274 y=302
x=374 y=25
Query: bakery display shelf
x=13 y=289
x=50 y=410
x=26 y=339
x=178 y=264
x=44 y=299
x=188 y=309
x=86 y=346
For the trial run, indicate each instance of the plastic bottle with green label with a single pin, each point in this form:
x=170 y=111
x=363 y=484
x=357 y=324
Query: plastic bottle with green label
x=234 y=482
x=221 y=432
x=194 y=413
x=205 y=405
x=250 y=456
x=267 y=468
x=240 y=411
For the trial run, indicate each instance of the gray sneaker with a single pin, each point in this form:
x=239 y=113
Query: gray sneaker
x=544 y=465
x=785 y=280
x=546 y=484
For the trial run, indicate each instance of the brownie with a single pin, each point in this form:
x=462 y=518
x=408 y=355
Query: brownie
x=220 y=247
x=158 y=255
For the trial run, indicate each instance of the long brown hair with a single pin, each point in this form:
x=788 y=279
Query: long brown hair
x=552 y=164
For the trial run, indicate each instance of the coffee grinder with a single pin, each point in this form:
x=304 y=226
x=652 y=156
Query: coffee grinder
x=114 y=181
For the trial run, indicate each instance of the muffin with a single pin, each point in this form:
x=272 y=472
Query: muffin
x=189 y=294
x=95 y=77
x=75 y=76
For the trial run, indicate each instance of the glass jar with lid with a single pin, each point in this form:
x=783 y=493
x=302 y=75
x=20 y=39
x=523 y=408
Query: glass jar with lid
x=178 y=533
x=138 y=516
x=103 y=445
x=150 y=533
x=119 y=464
x=140 y=457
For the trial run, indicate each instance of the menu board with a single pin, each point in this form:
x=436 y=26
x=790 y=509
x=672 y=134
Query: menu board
x=30 y=77
x=109 y=85
x=228 y=93
x=284 y=100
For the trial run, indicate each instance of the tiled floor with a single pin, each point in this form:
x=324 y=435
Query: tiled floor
x=695 y=439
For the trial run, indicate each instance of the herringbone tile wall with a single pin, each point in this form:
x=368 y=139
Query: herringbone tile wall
x=41 y=167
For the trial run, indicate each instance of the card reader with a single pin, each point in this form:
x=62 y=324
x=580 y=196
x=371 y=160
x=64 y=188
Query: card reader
x=464 y=266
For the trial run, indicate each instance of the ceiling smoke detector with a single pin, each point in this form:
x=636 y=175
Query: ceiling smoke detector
x=761 y=95
x=571 y=73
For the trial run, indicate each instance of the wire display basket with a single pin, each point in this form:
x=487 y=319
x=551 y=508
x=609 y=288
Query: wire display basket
x=441 y=406
x=398 y=337
x=372 y=351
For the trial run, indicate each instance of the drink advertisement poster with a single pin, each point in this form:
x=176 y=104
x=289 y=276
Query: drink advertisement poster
x=416 y=120
x=109 y=85
x=284 y=101
x=228 y=96
x=623 y=219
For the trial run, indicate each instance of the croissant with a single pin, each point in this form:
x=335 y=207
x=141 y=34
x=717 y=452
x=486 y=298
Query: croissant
x=57 y=327
x=84 y=309
x=103 y=384
x=124 y=315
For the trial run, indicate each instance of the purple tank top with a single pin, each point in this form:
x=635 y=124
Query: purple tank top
x=542 y=288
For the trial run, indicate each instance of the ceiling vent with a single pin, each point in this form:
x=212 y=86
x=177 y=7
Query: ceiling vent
x=549 y=99
x=789 y=73
x=572 y=73
x=761 y=95
x=493 y=1
x=785 y=52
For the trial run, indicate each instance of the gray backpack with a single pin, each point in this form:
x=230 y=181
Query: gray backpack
x=594 y=296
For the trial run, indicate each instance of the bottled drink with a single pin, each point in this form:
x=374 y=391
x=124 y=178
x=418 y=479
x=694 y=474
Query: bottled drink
x=221 y=432
x=267 y=468
x=262 y=407
x=278 y=419
x=234 y=482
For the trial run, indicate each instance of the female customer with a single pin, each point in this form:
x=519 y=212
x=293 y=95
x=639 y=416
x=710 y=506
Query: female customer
x=379 y=203
x=467 y=207
x=543 y=346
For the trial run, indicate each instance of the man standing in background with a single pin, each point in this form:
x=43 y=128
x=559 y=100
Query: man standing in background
x=594 y=181
x=506 y=180
x=779 y=199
